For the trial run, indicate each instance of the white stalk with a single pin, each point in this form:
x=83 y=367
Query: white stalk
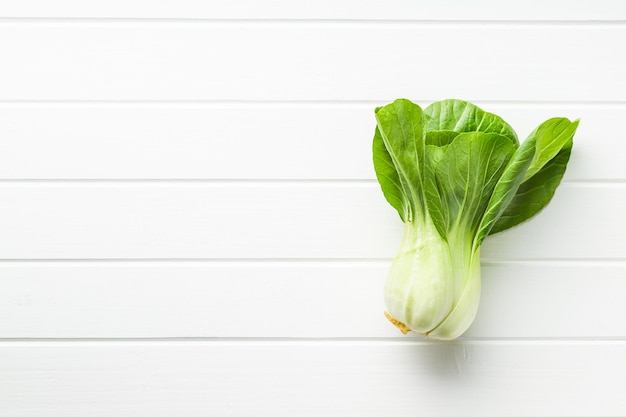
x=433 y=286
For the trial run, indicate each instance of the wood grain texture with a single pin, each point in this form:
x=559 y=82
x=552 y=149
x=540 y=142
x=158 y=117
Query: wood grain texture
x=533 y=10
x=247 y=140
x=233 y=220
x=292 y=300
x=309 y=61
x=313 y=378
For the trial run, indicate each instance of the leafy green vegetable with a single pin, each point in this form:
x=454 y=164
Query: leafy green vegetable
x=456 y=173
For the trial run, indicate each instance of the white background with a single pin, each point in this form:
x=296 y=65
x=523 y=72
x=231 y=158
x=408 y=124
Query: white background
x=190 y=224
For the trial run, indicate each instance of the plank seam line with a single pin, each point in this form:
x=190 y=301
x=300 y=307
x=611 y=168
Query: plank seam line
x=295 y=102
x=410 y=341
x=249 y=181
x=315 y=21
x=293 y=261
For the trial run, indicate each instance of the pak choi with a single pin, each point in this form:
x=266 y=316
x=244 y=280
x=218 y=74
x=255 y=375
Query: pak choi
x=456 y=174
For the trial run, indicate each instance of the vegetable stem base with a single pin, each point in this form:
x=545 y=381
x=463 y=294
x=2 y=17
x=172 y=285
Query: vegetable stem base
x=397 y=323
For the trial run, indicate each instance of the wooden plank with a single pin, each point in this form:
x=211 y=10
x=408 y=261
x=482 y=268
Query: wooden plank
x=235 y=220
x=291 y=300
x=159 y=60
x=247 y=141
x=533 y=10
x=313 y=378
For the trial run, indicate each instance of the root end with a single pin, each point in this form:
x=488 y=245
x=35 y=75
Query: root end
x=397 y=323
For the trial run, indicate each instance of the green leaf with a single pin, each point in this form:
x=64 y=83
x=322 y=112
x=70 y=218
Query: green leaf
x=440 y=137
x=437 y=209
x=401 y=127
x=551 y=136
x=553 y=141
x=388 y=177
x=505 y=189
x=466 y=176
x=461 y=116
x=535 y=193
